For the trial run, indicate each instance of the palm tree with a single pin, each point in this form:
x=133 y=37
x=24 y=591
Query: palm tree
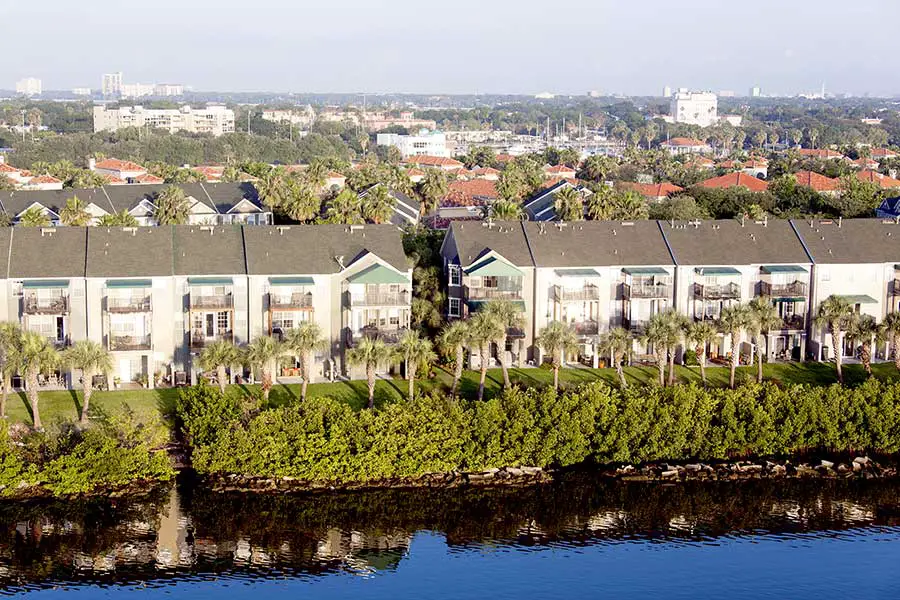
x=415 y=351
x=305 y=340
x=377 y=205
x=433 y=187
x=75 y=213
x=700 y=334
x=569 y=205
x=218 y=357
x=505 y=210
x=263 y=354
x=273 y=188
x=10 y=342
x=34 y=217
x=119 y=219
x=370 y=352
x=36 y=355
x=763 y=319
x=675 y=324
x=733 y=321
x=892 y=331
x=484 y=328
x=865 y=331
x=616 y=343
x=836 y=315
x=510 y=317
x=655 y=335
x=556 y=339
x=345 y=208
x=91 y=359
x=453 y=341
x=303 y=203
x=172 y=206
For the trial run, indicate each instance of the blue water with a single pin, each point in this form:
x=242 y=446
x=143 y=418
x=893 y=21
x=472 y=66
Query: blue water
x=841 y=544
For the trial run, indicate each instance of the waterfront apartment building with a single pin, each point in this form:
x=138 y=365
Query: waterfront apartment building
x=215 y=120
x=424 y=143
x=156 y=296
x=694 y=108
x=597 y=275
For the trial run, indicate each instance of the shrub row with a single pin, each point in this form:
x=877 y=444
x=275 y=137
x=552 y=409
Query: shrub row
x=325 y=440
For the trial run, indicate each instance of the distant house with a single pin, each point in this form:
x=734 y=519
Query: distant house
x=883 y=181
x=756 y=167
x=883 y=153
x=655 y=192
x=866 y=163
x=434 y=162
x=467 y=199
x=542 y=206
x=683 y=145
x=210 y=173
x=735 y=180
x=700 y=162
x=819 y=183
x=559 y=172
x=123 y=170
x=823 y=153
x=406 y=210
x=488 y=173
x=335 y=180
x=43 y=182
x=415 y=175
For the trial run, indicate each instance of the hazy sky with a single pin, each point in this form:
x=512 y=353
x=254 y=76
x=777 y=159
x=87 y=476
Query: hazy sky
x=462 y=46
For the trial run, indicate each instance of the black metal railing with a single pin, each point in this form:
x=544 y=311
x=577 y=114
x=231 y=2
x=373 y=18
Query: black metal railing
x=646 y=290
x=213 y=302
x=723 y=291
x=587 y=293
x=125 y=343
x=298 y=301
x=127 y=305
x=483 y=293
x=796 y=289
x=56 y=305
x=200 y=340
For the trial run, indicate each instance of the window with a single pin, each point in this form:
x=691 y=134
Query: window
x=222 y=322
x=455 y=275
x=453 y=309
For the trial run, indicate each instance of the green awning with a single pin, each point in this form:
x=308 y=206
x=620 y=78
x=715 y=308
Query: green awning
x=493 y=266
x=577 y=273
x=861 y=299
x=715 y=271
x=776 y=269
x=129 y=283
x=644 y=271
x=290 y=280
x=477 y=304
x=45 y=283
x=789 y=299
x=378 y=274
x=210 y=281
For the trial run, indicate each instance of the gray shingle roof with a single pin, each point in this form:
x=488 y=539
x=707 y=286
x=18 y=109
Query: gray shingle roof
x=225 y=195
x=311 y=249
x=135 y=252
x=727 y=242
x=208 y=250
x=14 y=202
x=597 y=243
x=851 y=241
x=47 y=252
x=475 y=239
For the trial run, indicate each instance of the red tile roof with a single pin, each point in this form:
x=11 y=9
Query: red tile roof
x=820 y=153
x=504 y=158
x=736 y=179
x=148 y=178
x=866 y=163
x=114 y=164
x=113 y=180
x=212 y=173
x=818 y=182
x=683 y=141
x=883 y=153
x=5 y=168
x=44 y=179
x=414 y=172
x=486 y=171
x=753 y=163
x=651 y=190
x=473 y=192
x=335 y=175
x=885 y=182
x=433 y=161
x=700 y=162
x=559 y=170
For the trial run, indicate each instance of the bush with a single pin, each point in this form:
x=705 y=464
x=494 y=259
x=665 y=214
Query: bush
x=204 y=410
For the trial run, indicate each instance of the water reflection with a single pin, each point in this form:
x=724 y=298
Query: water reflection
x=188 y=532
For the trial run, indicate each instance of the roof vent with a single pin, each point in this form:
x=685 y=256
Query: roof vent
x=281 y=229
x=627 y=223
x=208 y=228
x=47 y=230
x=355 y=228
x=340 y=261
x=131 y=230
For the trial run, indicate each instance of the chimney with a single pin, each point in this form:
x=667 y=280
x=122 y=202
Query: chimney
x=2 y=159
x=92 y=164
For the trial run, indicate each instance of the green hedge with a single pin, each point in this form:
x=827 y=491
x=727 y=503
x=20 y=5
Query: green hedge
x=325 y=440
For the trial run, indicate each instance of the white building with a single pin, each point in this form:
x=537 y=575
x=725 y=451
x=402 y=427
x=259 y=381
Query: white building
x=137 y=90
x=81 y=91
x=755 y=92
x=168 y=89
x=667 y=92
x=30 y=86
x=302 y=116
x=425 y=143
x=695 y=108
x=214 y=119
x=111 y=84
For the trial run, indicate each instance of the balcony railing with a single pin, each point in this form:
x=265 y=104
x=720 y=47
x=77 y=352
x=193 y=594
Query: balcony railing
x=216 y=302
x=57 y=305
x=483 y=293
x=895 y=287
x=646 y=290
x=634 y=325
x=380 y=299
x=386 y=334
x=291 y=302
x=586 y=327
x=794 y=322
x=797 y=289
x=199 y=340
x=125 y=343
x=588 y=293
x=127 y=305
x=725 y=291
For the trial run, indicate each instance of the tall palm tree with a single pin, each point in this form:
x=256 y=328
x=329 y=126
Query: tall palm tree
x=377 y=205
x=91 y=359
x=569 y=205
x=433 y=187
x=218 y=357
x=505 y=210
x=305 y=340
x=119 y=219
x=172 y=206
x=453 y=341
x=415 y=351
x=36 y=355
x=484 y=328
x=656 y=335
x=733 y=321
x=34 y=217
x=303 y=202
x=262 y=354
x=700 y=334
x=370 y=352
x=865 y=331
x=763 y=319
x=10 y=342
x=345 y=208
x=674 y=324
x=556 y=339
x=75 y=213
x=616 y=342
x=510 y=317
x=836 y=315
x=892 y=331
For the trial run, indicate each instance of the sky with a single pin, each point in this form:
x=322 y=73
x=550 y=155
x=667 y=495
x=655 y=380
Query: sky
x=456 y=46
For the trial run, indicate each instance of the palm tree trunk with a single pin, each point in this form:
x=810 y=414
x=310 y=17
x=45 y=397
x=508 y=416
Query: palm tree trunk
x=556 y=376
x=305 y=366
x=865 y=355
x=894 y=343
x=370 y=381
x=671 y=367
x=661 y=367
x=701 y=355
x=759 y=361
x=501 y=354
x=411 y=378
x=32 y=382
x=221 y=377
x=266 y=385
x=7 y=383
x=838 y=355
x=87 y=388
x=620 y=371
x=483 y=373
x=457 y=369
x=735 y=357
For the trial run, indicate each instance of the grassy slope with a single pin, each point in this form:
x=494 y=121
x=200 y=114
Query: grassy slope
x=66 y=404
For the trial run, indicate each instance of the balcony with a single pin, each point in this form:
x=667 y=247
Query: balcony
x=586 y=327
x=385 y=334
x=483 y=293
x=794 y=322
x=380 y=299
x=199 y=340
x=895 y=287
x=797 y=289
x=648 y=291
x=126 y=343
x=725 y=291
x=216 y=302
x=57 y=305
x=127 y=305
x=634 y=326
x=588 y=293
x=298 y=301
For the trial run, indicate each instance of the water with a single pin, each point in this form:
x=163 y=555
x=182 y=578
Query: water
x=579 y=538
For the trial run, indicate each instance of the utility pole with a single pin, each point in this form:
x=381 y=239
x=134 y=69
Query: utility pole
x=23 y=126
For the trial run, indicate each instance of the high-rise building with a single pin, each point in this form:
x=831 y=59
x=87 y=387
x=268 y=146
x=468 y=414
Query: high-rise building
x=213 y=119
x=755 y=92
x=168 y=89
x=30 y=86
x=667 y=92
x=112 y=84
x=136 y=90
x=695 y=108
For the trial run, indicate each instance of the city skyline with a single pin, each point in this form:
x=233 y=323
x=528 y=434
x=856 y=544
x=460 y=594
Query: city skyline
x=509 y=48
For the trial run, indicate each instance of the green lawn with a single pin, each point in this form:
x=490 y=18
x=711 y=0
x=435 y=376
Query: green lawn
x=66 y=404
